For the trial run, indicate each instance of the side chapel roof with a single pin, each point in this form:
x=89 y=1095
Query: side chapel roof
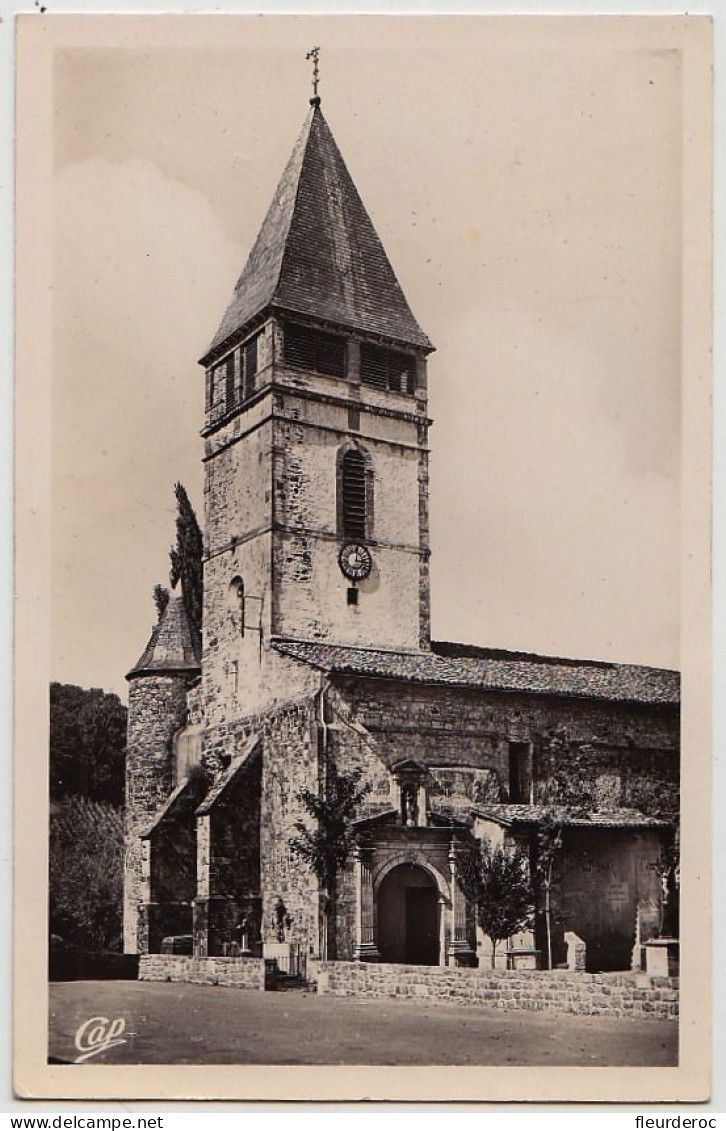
x=318 y=254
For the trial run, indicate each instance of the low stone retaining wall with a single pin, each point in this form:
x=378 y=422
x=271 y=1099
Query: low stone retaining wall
x=242 y=973
x=557 y=991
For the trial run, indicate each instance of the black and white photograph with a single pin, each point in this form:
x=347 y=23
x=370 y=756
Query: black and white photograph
x=369 y=488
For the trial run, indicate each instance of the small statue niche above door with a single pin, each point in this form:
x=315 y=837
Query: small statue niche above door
x=411 y=778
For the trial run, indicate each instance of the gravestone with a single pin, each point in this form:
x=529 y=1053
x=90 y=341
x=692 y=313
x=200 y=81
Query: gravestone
x=576 y=952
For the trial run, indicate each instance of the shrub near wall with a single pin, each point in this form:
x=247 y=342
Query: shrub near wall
x=614 y=995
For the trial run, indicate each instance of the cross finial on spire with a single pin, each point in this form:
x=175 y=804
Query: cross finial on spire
x=314 y=54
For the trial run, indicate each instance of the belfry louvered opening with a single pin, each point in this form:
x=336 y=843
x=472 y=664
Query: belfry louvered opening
x=306 y=348
x=233 y=380
x=230 y=391
x=353 y=487
x=249 y=357
x=387 y=369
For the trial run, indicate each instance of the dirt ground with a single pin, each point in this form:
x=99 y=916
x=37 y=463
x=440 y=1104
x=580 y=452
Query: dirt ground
x=169 y=1023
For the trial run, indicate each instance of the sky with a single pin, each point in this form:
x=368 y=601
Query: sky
x=526 y=188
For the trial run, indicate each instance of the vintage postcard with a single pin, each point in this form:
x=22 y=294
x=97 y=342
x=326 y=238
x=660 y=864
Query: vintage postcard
x=363 y=497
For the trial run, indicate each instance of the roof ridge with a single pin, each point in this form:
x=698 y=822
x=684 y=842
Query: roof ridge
x=416 y=652
x=469 y=652
x=497 y=655
x=622 y=683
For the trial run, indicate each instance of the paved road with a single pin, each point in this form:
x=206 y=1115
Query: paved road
x=183 y=1024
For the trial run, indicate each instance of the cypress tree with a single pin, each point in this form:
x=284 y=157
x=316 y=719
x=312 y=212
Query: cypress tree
x=186 y=561
x=161 y=599
x=186 y=566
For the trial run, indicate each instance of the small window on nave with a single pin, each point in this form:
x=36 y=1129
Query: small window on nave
x=520 y=773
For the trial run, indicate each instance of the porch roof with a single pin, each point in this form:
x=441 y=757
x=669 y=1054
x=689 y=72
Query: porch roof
x=392 y=817
x=223 y=783
x=175 y=802
x=509 y=815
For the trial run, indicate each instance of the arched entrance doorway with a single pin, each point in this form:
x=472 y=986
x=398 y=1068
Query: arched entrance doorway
x=408 y=917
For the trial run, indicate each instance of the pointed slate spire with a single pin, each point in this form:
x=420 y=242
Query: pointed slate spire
x=171 y=646
x=318 y=254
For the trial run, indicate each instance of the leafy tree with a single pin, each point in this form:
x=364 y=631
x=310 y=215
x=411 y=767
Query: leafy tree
x=499 y=880
x=87 y=743
x=86 y=873
x=327 y=846
x=566 y=790
x=549 y=844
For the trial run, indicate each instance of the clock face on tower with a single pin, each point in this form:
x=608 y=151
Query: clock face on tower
x=355 y=561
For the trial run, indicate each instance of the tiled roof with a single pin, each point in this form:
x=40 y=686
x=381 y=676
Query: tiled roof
x=533 y=814
x=587 y=680
x=180 y=803
x=318 y=254
x=225 y=780
x=171 y=646
x=392 y=817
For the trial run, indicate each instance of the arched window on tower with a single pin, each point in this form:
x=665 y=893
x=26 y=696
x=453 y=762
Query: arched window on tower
x=355 y=500
x=237 y=603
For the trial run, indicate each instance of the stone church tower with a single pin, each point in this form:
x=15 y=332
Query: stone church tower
x=317 y=659
x=315 y=439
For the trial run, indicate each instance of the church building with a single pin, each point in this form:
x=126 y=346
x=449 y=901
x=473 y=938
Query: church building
x=317 y=657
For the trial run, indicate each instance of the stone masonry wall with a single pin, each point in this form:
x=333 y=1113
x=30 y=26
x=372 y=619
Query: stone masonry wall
x=240 y=973
x=463 y=736
x=290 y=763
x=237 y=478
x=605 y=877
x=173 y=848
x=241 y=673
x=310 y=599
x=353 y=748
x=157 y=709
x=612 y=995
x=271 y=519
x=233 y=854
